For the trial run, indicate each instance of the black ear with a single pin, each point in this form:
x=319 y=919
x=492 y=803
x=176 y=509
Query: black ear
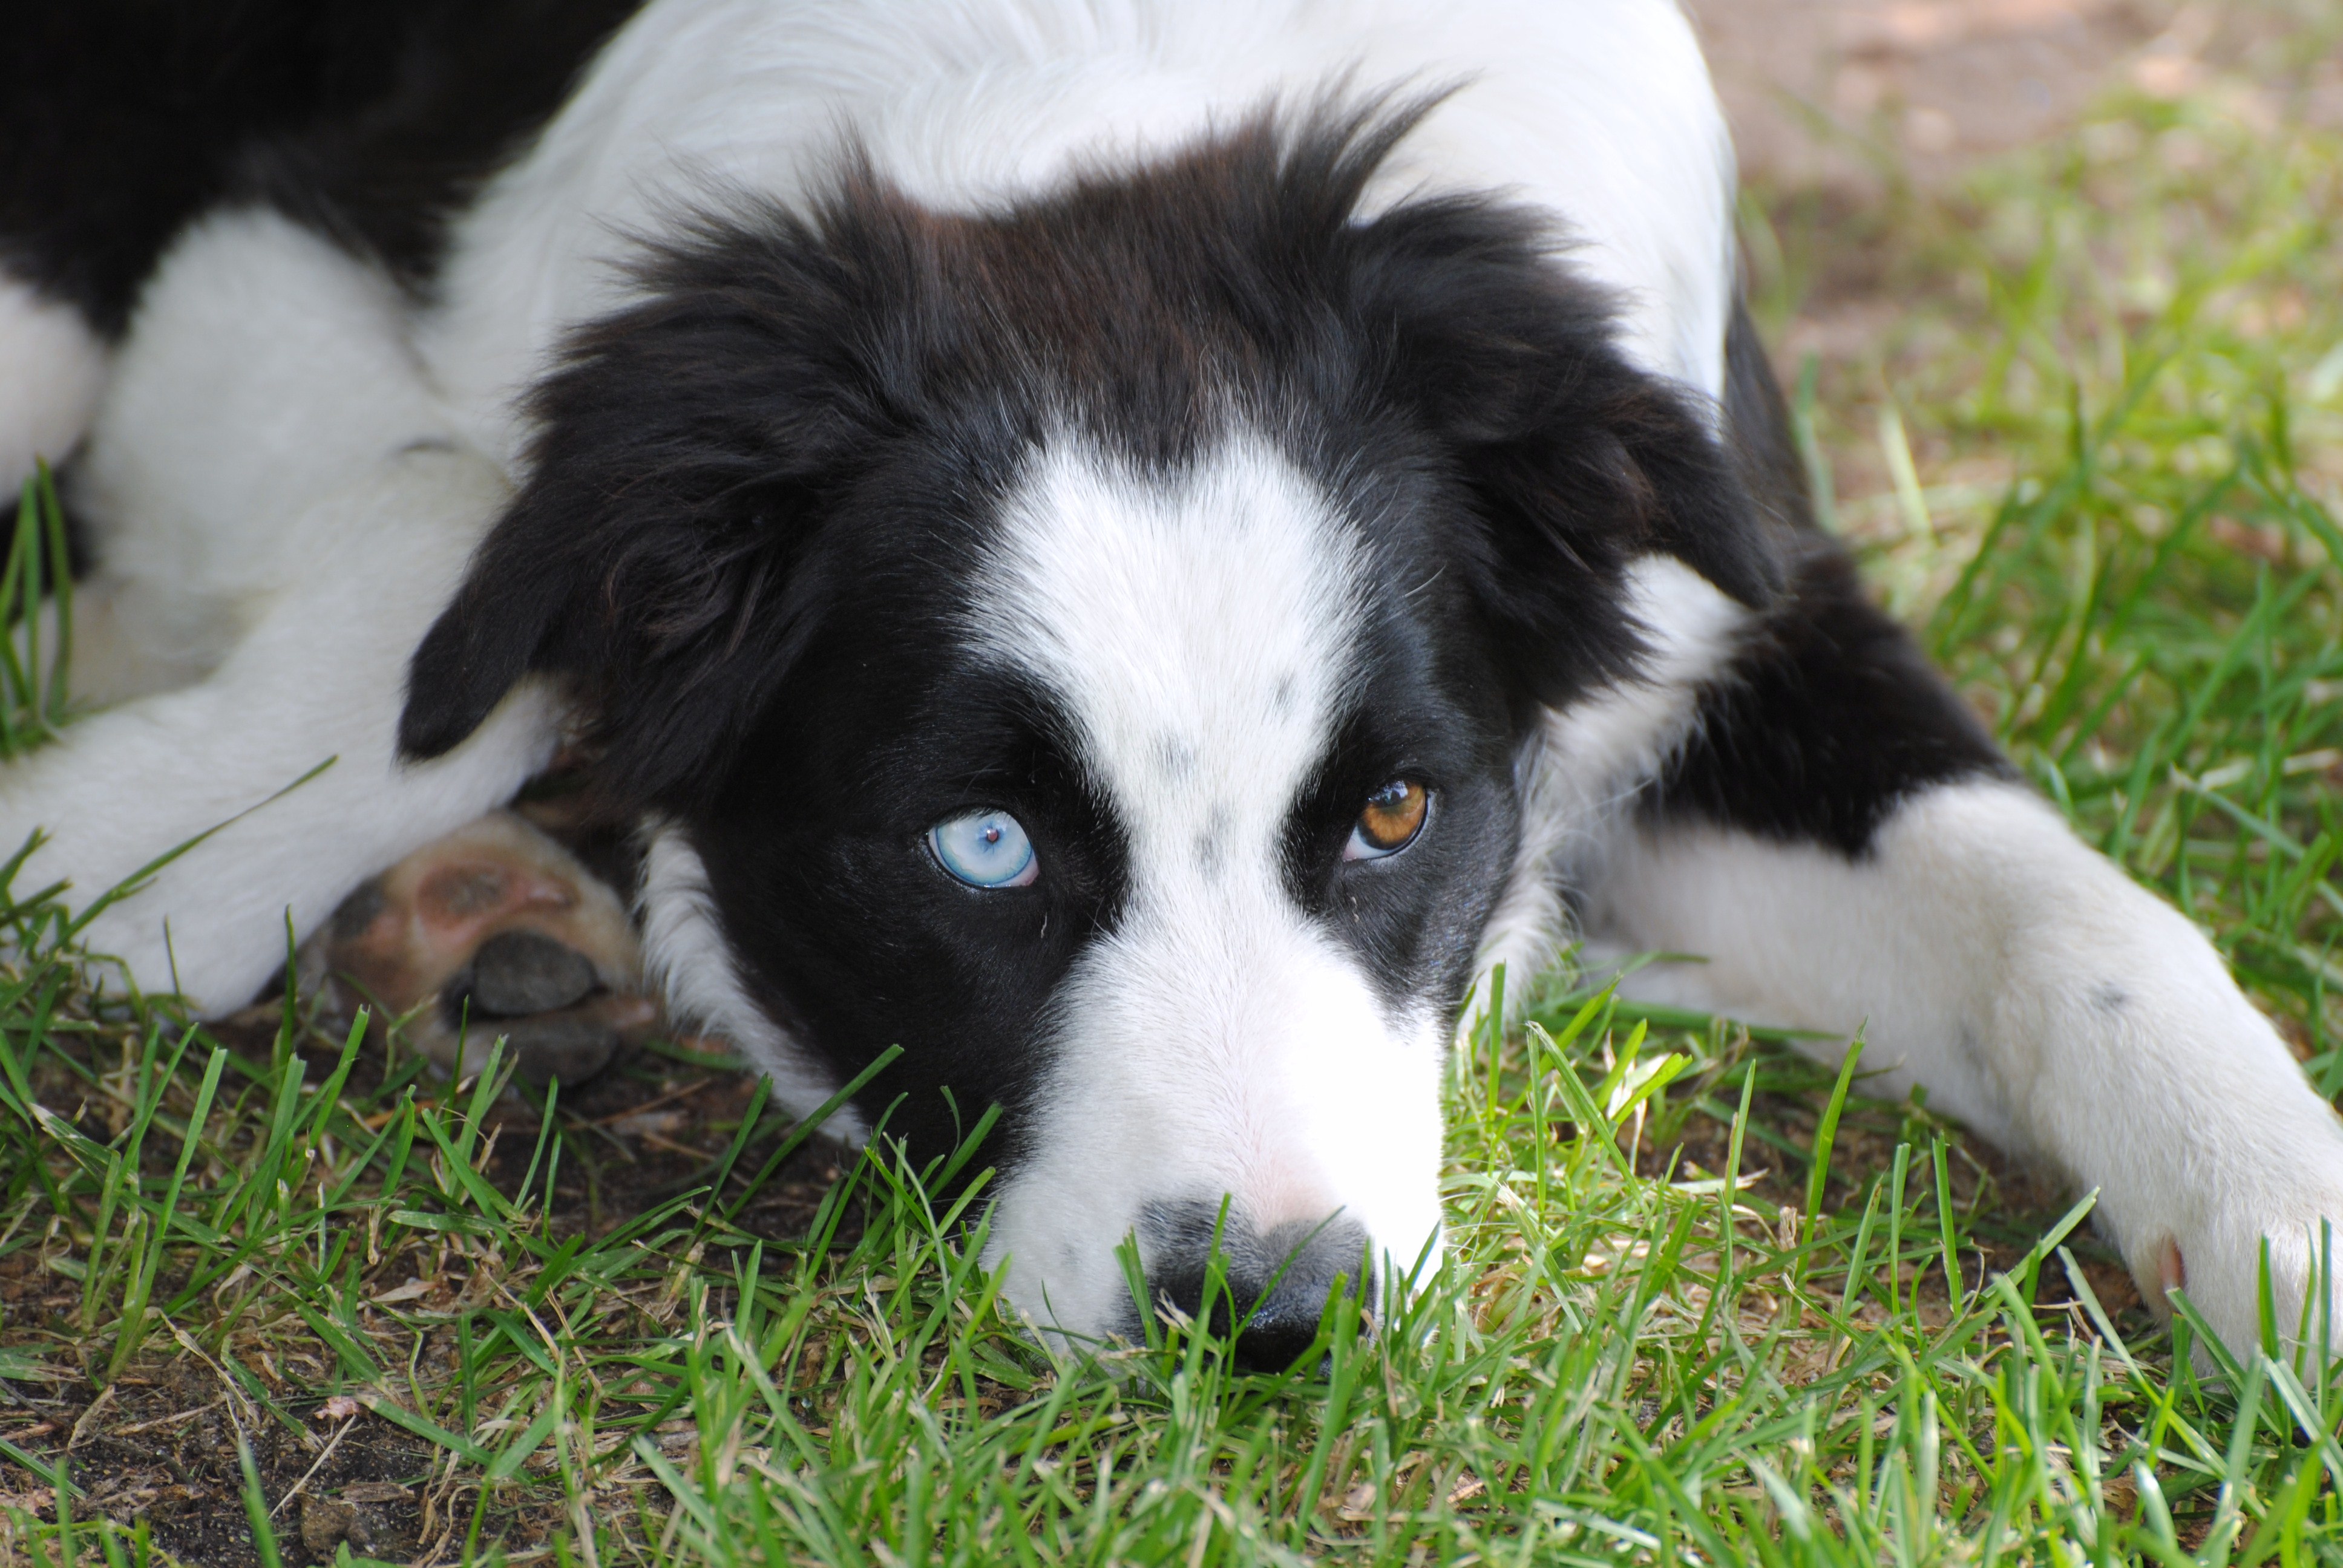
x=1578 y=460
x=657 y=558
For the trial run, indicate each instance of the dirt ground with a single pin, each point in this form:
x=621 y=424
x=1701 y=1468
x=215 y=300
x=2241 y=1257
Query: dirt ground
x=1816 y=90
x=160 y=1442
x=1843 y=111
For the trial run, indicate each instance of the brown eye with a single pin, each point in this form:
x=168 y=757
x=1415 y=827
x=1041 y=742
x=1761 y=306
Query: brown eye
x=1392 y=817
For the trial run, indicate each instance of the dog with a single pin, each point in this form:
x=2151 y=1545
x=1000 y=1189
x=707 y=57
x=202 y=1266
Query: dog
x=1139 y=551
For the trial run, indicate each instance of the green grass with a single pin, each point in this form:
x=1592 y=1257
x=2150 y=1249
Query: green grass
x=33 y=701
x=1701 y=1302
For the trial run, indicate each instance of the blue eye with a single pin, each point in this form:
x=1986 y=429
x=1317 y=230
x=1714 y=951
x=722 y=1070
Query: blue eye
x=985 y=850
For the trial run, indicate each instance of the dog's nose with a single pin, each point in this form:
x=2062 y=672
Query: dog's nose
x=1277 y=1282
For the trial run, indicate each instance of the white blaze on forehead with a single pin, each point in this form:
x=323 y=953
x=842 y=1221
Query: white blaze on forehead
x=1199 y=633
x=1197 y=630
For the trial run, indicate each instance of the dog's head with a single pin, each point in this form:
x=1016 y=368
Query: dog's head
x=1089 y=645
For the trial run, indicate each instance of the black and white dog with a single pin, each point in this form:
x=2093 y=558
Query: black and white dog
x=1134 y=547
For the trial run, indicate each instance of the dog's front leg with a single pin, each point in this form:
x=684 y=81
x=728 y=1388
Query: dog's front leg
x=1843 y=848
x=319 y=680
x=2041 y=996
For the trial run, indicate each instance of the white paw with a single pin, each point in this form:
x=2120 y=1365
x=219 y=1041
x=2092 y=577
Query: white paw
x=2216 y=1260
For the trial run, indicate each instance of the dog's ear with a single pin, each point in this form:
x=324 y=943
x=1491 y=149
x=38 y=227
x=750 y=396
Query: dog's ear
x=655 y=560
x=1577 y=460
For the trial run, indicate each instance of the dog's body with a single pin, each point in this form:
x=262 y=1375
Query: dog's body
x=1107 y=547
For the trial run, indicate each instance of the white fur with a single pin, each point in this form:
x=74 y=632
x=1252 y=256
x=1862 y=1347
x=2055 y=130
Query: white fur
x=1599 y=110
x=319 y=677
x=1587 y=761
x=263 y=367
x=284 y=509
x=52 y=367
x=686 y=954
x=1217 y=1041
x=2042 y=996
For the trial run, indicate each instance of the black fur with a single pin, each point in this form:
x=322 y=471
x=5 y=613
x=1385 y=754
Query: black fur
x=664 y=554
x=1757 y=423
x=1831 y=714
x=1831 y=717
x=122 y=120
x=755 y=498
x=1433 y=710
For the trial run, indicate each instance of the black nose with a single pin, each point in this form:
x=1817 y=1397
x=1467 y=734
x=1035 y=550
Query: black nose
x=1275 y=1282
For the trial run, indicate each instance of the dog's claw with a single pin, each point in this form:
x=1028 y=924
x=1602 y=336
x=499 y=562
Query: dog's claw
x=493 y=931
x=2293 y=1232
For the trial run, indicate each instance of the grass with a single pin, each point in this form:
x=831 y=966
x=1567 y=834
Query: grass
x=33 y=703
x=265 y=1297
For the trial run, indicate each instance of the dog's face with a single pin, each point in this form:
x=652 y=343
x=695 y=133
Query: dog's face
x=1087 y=647
x=1160 y=809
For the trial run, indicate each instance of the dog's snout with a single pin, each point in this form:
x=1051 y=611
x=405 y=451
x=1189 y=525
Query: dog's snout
x=1275 y=1282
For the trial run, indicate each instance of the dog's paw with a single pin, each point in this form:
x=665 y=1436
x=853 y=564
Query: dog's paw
x=2216 y=1260
x=493 y=931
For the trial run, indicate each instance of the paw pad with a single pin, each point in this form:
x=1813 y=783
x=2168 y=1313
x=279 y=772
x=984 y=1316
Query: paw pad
x=518 y=972
x=495 y=929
